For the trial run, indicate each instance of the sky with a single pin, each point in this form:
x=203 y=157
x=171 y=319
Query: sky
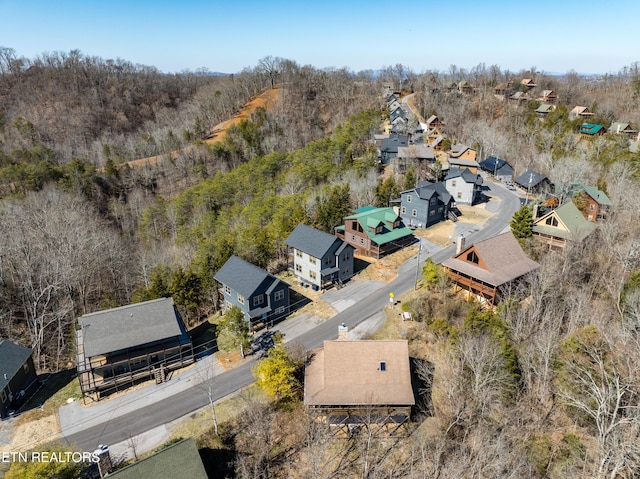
x=227 y=36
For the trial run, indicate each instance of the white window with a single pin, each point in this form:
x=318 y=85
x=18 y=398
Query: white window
x=403 y=210
x=299 y=268
x=414 y=212
x=240 y=299
x=227 y=290
x=312 y=275
x=258 y=300
x=280 y=310
x=453 y=182
x=459 y=194
x=228 y=304
x=299 y=253
x=361 y=240
x=408 y=198
x=312 y=260
x=278 y=295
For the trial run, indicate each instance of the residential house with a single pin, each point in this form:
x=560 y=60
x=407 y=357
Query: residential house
x=562 y=225
x=420 y=155
x=534 y=182
x=389 y=149
x=117 y=347
x=580 y=112
x=502 y=90
x=591 y=130
x=597 y=203
x=262 y=298
x=528 y=82
x=618 y=127
x=544 y=109
x=464 y=186
x=486 y=268
x=461 y=156
x=375 y=232
x=498 y=168
x=356 y=383
x=548 y=96
x=399 y=126
x=519 y=97
x=318 y=258
x=18 y=378
x=466 y=87
x=180 y=459
x=425 y=205
x=397 y=112
x=435 y=122
x=436 y=138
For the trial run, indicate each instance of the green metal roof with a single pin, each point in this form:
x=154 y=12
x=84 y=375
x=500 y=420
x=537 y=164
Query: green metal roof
x=577 y=227
x=590 y=128
x=370 y=218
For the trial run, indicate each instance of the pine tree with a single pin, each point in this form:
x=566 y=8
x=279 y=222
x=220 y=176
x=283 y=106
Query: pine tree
x=522 y=223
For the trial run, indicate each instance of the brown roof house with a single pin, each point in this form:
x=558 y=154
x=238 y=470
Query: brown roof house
x=375 y=232
x=119 y=346
x=580 y=112
x=485 y=268
x=350 y=383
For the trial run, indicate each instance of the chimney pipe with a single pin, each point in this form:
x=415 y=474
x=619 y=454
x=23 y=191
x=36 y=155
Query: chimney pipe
x=460 y=244
x=343 y=332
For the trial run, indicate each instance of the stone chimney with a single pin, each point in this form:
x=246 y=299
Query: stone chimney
x=459 y=244
x=343 y=332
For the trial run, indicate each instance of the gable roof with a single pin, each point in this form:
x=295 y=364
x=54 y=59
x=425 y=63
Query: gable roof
x=370 y=217
x=621 y=127
x=571 y=223
x=309 y=240
x=580 y=110
x=426 y=190
x=12 y=357
x=503 y=256
x=545 y=108
x=466 y=175
x=594 y=192
x=458 y=149
x=494 y=164
x=530 y=178
x=181 y=459
x=345 y=372
x=416 y=151
x=129 y=326
x=242 y=276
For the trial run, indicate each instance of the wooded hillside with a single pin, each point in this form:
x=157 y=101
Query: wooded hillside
x=546 y=386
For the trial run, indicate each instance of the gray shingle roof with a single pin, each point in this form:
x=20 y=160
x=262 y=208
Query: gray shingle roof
x=492 y=163
x=530 y=178
x=12 y=357
x=425 y=190
x=129 y=326
x=242 y=276
x=466 y=175
x=311 y=241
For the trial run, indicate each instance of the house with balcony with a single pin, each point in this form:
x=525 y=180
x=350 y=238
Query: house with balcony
x=560 y=226
x=464 y=186
x=486 y=268
x=118 y=347
x=356 y=383
x=375 y=232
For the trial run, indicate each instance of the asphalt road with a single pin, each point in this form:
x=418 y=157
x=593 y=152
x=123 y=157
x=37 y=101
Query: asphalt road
x=124 y=427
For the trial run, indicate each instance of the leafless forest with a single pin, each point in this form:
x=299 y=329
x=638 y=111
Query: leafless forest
x=546 y=386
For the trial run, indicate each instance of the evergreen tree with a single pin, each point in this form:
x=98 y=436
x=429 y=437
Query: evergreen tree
x=233 y=331
x=386 y=191
x=332 y=210
x=522 y=223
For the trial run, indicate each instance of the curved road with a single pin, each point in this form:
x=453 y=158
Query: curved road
x=124 y=427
